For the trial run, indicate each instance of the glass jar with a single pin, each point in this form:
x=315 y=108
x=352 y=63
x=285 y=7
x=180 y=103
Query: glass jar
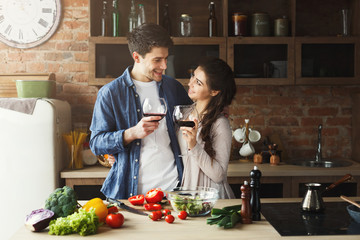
x=260 y=24
x=240 y=24
x=185 y=26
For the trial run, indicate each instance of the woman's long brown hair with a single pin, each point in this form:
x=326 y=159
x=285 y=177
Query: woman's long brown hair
x=219 y=77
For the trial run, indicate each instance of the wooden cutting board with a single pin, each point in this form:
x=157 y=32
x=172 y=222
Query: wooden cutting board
x=8 y=84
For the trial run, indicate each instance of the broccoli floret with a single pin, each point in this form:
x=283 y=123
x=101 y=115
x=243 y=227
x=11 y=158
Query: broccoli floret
x=63 y=202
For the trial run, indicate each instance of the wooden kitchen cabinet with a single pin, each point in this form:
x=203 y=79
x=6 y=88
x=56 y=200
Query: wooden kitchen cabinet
x=248 y=56
x=311 y=50
x=316 y=66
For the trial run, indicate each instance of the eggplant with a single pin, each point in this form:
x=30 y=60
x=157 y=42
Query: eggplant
x=39 y=219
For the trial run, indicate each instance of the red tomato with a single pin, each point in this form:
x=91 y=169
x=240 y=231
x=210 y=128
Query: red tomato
x=166 y=212
x=169 y=218
x=152 y=206
x=113 y=209
x=156 y=215
x=136 y=200
x=182 y=215
x=115 y=220
x=154 y=195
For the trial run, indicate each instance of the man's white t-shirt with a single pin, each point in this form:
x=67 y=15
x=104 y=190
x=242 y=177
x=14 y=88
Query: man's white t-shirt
x=157 y=164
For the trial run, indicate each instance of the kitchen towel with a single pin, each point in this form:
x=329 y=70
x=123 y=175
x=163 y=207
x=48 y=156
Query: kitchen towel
x=23 y=105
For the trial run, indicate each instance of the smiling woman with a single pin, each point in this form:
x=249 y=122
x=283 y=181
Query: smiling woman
x=28 y=23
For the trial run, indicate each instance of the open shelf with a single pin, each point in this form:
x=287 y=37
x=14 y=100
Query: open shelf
x=314 y=52
x=249 y=55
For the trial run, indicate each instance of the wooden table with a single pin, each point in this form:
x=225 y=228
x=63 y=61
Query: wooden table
x=140 y=227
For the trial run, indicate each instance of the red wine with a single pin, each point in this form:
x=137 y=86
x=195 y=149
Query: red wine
x=162 y=115
x=186 y=123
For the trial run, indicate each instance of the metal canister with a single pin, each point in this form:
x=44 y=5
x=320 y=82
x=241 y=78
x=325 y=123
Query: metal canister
x=240 y=24
x=185 y=27
x=260 y=24
x=281 y=27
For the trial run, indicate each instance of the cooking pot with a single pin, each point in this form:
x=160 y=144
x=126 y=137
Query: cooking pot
x=313 y=201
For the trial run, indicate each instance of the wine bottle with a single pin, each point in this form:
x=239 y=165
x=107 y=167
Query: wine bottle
x=104 y=21
x=115 y=18
x=212 y=21
x=166 y=23
x=132 y=17
x=141 y=15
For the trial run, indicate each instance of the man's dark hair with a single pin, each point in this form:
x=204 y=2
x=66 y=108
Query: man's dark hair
x=146 y=36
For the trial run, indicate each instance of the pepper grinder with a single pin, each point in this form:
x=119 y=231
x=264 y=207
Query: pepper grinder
x=245 y=206
x=255 y=204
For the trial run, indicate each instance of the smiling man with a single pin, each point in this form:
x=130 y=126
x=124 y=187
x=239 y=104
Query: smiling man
x=142 y=161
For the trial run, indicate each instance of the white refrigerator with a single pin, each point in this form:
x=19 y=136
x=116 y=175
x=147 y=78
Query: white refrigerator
x=32 y=154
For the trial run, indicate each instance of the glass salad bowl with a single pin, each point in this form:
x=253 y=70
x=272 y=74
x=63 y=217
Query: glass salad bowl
x=196 y=201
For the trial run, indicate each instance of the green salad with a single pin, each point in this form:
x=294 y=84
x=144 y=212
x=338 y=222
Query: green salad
x=193 y=206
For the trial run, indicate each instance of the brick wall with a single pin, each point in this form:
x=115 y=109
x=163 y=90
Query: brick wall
x=65 y=54
x=291 y=112
x=294 y=113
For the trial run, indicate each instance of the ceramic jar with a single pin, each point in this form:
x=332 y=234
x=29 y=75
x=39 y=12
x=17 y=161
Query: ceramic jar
x=281 y=27
x=260 y=24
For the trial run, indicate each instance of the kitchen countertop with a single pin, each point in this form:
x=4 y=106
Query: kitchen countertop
x=139 y=227
x=237 y=169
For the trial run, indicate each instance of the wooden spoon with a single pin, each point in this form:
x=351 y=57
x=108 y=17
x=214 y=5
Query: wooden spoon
x=350 y=201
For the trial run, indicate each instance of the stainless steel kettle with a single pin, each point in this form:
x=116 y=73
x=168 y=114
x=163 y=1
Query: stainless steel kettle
x=313 y=201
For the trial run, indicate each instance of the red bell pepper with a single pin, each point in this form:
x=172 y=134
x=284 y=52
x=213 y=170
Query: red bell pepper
x=137 y=199
x=152 y=206
x=154 y=195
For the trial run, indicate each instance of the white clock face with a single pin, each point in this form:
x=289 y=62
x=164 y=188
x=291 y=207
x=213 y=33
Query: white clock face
x=28 y=23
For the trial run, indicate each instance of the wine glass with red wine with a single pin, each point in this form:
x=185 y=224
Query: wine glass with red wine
x=184 y=116
x=154 y=107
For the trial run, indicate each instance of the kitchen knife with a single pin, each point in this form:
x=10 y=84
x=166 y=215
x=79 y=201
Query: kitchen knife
x=125 y=207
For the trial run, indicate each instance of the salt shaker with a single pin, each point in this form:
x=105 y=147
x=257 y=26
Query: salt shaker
x=255 y=204
x=246 y=215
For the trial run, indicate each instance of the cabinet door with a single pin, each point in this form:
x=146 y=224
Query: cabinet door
x=108 y=58
x=188 y=51
x=327 y=61
x=262 y=61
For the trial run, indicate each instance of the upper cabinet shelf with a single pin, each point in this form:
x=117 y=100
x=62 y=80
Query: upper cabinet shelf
x=323 y=17
x=308 y=54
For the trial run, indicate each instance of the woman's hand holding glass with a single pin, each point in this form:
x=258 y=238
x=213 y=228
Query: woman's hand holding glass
x=189 y=134
x=186 y=117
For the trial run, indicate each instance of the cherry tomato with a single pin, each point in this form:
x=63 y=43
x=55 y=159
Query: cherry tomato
x=115 y=220
x=169 y=218
x=137 y=200
x=166 y=212
x=156 y=215
x=112 y=209
x=154 y=195
x=182 y=215
x=152 y=206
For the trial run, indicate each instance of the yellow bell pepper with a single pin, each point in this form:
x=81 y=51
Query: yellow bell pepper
x=100 y=208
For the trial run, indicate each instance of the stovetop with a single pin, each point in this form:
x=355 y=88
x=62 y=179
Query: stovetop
x=289 y=220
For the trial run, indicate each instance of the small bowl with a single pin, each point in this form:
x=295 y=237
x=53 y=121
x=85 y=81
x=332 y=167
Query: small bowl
x=354 y=212
x=197 y=201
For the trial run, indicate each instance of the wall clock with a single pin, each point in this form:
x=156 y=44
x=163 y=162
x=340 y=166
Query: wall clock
x=28 y=23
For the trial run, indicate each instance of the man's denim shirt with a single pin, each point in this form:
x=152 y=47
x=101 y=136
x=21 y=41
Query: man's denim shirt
x=118 y=108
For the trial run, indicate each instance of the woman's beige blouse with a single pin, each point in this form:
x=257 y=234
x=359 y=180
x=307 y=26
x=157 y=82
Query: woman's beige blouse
x=199 y=170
